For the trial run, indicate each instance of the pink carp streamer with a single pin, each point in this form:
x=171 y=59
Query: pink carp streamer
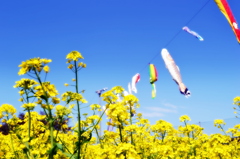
x=192 y=33
x=135 y=80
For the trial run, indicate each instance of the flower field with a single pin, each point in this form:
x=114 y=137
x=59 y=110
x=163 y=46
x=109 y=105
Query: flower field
x=47 y=135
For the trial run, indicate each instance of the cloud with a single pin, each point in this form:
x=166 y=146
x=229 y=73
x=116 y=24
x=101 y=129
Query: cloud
x=152 y=114
x=159 y=109
x=170 y=105
x=167 y=108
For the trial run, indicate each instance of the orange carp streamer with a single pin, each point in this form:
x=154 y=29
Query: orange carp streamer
x=225 y=9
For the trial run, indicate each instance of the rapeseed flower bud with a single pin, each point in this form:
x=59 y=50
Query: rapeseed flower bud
x=46 y=69
x=95 y=106
x=55 y=100
x=39 y=101
x=70 y=66
x=21 y=92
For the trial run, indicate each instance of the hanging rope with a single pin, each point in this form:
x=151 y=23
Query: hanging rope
x=171 y=40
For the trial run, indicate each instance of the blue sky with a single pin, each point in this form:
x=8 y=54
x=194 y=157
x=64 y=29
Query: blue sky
x=118 y=38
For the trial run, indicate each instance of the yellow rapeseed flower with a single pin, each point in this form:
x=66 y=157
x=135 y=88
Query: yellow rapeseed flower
x=62 y=111
x=117 y=89
x=74 y=56
x=30 y=106
x=8 y=109
x=25 y=83
x=71 y=96
x=48 y=88
x=184 y=118
x=236 y=101
x=219 y=122
x=32 y=64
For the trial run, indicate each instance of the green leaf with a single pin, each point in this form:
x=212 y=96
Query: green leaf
x=32 y=97
x=69 y=155
x=59 y=146
x=44 y=97
x=53 y=150
x=68 y=100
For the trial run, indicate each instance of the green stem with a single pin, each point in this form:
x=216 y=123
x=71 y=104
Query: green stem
x=131 y=134
x=186 y=127
x=99 y=140
x=64 y=145
x=52 y=137
x=163 y=135
x=29 y=116
x=220 y=156
x=193 y=135
x=12 y=145
x=222 y=129
x=98 y=120
x=79 y=113
x=12 y=140
x=61 y=123
x=45 y=112
x=28 y=156
x=120 y=131
x=29 y=125
x=49 y=115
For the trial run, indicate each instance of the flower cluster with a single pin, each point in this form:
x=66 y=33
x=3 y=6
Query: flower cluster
x=34 y=64
x=48 y=136
x=236 y=101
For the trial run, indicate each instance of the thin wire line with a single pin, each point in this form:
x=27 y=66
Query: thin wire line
x=187 y=23
x=198 y=12
x=173 y=38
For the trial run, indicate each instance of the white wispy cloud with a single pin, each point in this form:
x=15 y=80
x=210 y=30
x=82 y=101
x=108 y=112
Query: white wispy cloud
x=170 y=105
x=166 y=104
x=152 y=114
x=165 y=109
